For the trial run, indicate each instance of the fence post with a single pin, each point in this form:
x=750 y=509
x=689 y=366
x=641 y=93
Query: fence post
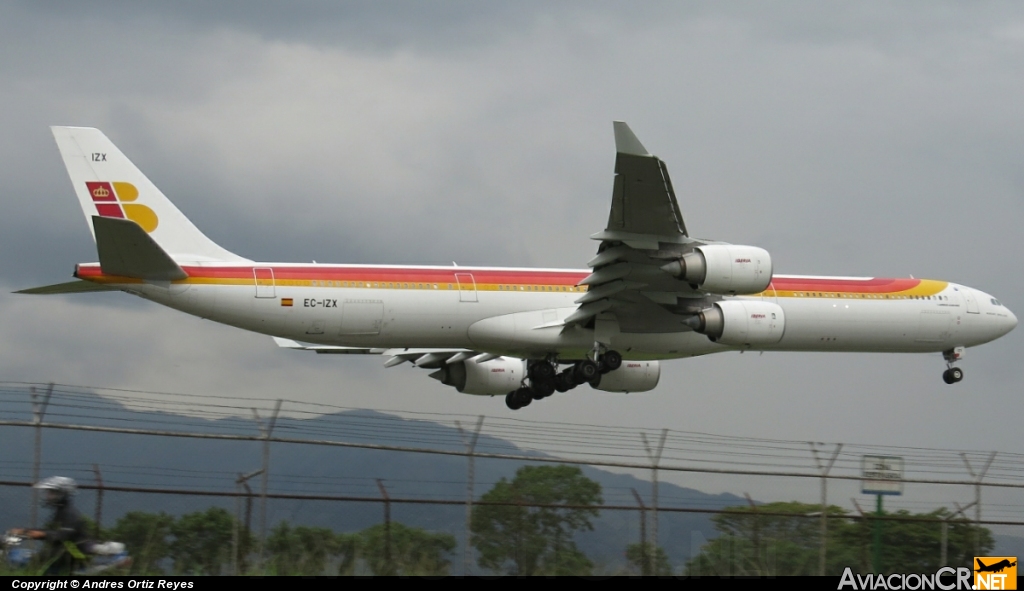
x=944 y=557
x=38 y=411
x=99 y=499
x=645 y=568
x=265 y=431
x=824 y=469
x=756 y=534
x=242 y=482
x=655 y=457
x=469 y=440
x=388 y=567
x=977 y=496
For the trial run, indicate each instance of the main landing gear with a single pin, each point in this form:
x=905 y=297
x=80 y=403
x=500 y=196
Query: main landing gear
x=545 y=379
x=953 y=374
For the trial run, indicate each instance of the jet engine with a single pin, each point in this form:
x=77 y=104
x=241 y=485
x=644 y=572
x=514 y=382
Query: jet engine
x=497 y=376
x=724 y=268
x=632 y=376
x=742 y=323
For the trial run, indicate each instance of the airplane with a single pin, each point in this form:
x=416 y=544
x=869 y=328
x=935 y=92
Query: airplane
x=651 y=293
x=996 y=567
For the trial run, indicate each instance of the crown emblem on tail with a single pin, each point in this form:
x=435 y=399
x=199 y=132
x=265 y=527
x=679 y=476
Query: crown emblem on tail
x=116 y=200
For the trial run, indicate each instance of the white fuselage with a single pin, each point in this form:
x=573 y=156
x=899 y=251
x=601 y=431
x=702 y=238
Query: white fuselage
x=518 y=311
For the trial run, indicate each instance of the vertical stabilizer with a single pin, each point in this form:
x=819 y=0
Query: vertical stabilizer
x=108 y=185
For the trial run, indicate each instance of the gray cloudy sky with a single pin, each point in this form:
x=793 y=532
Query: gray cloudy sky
x=853 y=139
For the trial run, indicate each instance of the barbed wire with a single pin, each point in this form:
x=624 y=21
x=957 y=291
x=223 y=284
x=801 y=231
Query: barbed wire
x=502 y=435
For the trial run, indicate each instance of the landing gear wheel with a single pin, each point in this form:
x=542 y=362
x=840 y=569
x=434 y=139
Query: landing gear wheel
x=541 y=371
x=542 y=389
x=564 y=382
x=585 y=371
x=952 y=375
x=612 y=360
x=517 y=399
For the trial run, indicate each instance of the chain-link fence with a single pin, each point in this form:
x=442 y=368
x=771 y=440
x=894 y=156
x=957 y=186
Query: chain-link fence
x=193 y=485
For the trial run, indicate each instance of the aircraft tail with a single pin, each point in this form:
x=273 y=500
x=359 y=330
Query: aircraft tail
x=108 y=185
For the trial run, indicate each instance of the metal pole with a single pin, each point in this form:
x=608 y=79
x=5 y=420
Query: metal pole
x=824 y=469
x=645 y=567
x=756 y=534
x=242 y=482
x=265 y=432
x=655 y=458
x=234 y=530
x=876 y=545
x=99 y=499
x=977 y=496
x=944 y=557
x=859 y=510
x=470 y=442
x=38 y=411
x=387 y=527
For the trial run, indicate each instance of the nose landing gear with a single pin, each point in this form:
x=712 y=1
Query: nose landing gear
x=953 y=374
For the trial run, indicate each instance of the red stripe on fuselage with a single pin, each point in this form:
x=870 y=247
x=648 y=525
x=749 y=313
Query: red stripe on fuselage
x=873 y=285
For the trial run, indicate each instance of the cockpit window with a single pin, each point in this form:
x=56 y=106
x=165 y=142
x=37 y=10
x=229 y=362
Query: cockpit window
x=995 y=302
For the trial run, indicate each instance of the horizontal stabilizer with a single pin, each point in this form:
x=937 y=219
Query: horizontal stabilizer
x=76 y=286
x=126 y=250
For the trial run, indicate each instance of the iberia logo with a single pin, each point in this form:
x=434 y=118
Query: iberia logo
x=995 y=572
x=115 y=200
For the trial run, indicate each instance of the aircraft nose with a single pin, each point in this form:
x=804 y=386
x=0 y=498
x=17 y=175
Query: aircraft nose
x=1011 y=321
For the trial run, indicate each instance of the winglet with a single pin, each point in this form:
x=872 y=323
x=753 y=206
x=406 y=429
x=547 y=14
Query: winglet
x=626 y=141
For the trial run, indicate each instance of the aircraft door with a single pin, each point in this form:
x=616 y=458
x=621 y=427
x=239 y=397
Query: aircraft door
x=972 y=303
x=264 y=278
x=467 y=287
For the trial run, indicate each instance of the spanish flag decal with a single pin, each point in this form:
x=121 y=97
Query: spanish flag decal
x=286 y=302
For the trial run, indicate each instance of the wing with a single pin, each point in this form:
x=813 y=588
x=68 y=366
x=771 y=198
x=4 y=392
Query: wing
x=645 y=229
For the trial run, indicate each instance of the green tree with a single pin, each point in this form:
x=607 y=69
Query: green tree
x=202 y=541
x=657 y=559
x=302 y=550
x=752 y=543
x=525 y=540
x=146 y=537
x=917 y=545
x=412 y=551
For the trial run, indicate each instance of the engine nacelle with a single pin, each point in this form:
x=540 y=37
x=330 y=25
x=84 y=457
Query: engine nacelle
x=742 y=323
x=497 y=376
x=725 y=268
x=632 y=376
